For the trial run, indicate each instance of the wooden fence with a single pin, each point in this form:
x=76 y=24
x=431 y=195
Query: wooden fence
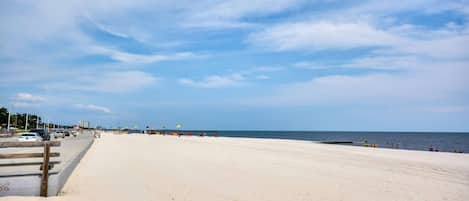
x=45 y=155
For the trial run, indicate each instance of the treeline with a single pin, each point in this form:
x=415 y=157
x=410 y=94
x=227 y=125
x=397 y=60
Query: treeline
x=18 y=120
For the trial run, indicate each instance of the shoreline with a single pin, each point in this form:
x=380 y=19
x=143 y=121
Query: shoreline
x=303 y=140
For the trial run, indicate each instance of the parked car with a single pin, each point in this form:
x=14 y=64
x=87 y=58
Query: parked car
x=74 y=133
x=58 y=134
x=30 y=137
x=42 y=132
x=67 y=133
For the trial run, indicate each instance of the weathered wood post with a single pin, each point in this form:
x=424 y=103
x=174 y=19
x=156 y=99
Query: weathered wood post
x=45 y=170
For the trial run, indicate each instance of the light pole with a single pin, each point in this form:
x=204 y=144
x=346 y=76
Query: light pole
x=26 y=123
x=8 y=124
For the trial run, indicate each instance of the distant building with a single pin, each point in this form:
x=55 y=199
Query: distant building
x=84 y=124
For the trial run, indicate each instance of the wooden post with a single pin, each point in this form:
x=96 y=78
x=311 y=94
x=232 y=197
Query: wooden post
x=45 y=170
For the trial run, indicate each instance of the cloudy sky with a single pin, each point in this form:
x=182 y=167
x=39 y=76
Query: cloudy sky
x=265 y=64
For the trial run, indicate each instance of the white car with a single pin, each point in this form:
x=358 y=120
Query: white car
x=58 y=134
x=74 y=133
x=29 y=137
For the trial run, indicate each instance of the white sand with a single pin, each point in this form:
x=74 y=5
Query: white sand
x=142 y=167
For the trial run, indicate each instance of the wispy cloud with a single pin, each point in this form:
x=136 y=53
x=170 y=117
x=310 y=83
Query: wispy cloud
x=27 y=100
x=432 y=84
x=230 y=14
x=380 y=8
x=28 y=97
x=314 y=36
x=238 y=78
x=131 y=58
x=110 y=82
x=214 y=81
x=313 y=65
x=262 y=69
x=385 y=62
x=95 y=108
x=381 y=62
x=408 y=49
x=108 y=30
x=394 y=39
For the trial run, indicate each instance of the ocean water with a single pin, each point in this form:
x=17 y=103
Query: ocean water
x=446 y=142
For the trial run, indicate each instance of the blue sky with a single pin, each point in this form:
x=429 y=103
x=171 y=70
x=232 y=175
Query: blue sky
x=268 y=64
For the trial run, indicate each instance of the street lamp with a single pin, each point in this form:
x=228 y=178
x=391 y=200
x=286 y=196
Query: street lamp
x=26 y=123
x=8 y=124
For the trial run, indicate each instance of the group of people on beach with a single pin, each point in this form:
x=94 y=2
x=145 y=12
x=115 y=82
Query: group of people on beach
x=430 y=148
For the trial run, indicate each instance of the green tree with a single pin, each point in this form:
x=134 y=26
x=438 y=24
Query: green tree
x=3 y=117
x=33 y=120
x=18 y=120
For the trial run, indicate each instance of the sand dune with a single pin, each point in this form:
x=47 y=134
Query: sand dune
x=142 y=167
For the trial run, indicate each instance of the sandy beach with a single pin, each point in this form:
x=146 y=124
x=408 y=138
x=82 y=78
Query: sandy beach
x=166 y=168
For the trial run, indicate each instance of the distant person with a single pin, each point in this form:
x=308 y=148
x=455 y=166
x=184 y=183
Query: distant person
x=97 y=134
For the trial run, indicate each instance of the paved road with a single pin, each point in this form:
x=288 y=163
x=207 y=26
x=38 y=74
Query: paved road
x=70 y=147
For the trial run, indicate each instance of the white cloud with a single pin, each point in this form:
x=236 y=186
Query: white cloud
x=314 y=36
x=454 y=46
x=111 y=82
x=27 y=100
x=238 y=78
x=28 y=97
x=91 y=107
x=59 y=26
x=378 y=7
x=229 y=14
x=108 y=30
x=400 y=40
x=126 y=57
x=385 y=62
x=236 y=9
x=31 y=24
x=262 y=77
x=216 y=24
x=263 y=69
x=214 y=81
x=434 y=83
x=312 y=65
x=121 y=81
x=24 y=104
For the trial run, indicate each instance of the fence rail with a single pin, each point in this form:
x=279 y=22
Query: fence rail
x=27 y=163
x=45 y=165
x=28 y=144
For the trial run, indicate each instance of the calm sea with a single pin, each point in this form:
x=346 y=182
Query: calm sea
x=447 y=142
